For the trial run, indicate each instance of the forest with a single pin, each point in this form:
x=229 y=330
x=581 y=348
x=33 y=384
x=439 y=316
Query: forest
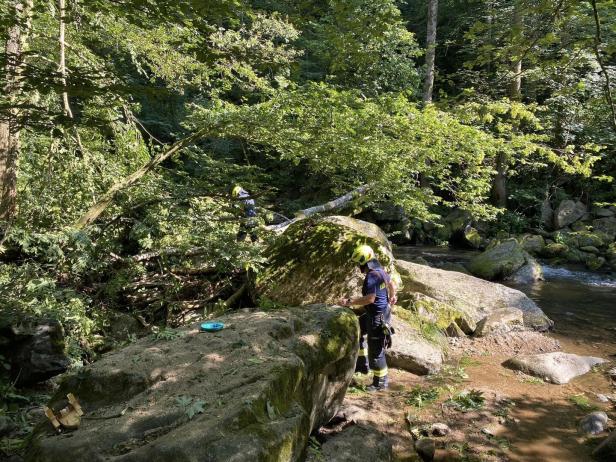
x=126 y=125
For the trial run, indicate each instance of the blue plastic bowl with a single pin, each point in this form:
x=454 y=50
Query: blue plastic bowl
x=211 y=326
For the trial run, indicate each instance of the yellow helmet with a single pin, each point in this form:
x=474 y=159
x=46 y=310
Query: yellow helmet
x=362 y=254
x=235 y=193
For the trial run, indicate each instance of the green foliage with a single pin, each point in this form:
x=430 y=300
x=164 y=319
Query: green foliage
x=191 y=406
x=469 y=400
x=27 y=290
x=420 y=397
x=583 y=403
x=166 y=334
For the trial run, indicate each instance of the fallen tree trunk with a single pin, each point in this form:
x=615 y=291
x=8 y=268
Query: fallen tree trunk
x=335 y=204
x=95 y=211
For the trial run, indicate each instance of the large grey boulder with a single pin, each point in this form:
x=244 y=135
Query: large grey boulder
x=456 y=296
x=310 y=262
x=356 y=443
x=253 y=391
x=557 y=367
x=34 y=348
x=411 y=352
x=568 y=212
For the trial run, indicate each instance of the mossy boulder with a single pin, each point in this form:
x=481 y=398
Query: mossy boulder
x=532 y=243
x=310 y=262
x=472 y=237
x=555 y=249
x=501 y=261
x=594 y=262
x=457 y=296
x=606 y=225
x=251 y=392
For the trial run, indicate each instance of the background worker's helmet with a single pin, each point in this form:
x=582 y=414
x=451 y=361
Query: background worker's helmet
x=235 y=193
x=362 y=254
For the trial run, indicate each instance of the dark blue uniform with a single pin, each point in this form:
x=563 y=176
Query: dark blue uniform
x=372 y=325
x=249 y=225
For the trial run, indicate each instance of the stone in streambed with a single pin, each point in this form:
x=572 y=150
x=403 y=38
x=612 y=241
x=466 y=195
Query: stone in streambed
x=594 y=423
x=533 y=243
x=33 y=347
x=558 y=367
x=499 y=262
x=311 y=261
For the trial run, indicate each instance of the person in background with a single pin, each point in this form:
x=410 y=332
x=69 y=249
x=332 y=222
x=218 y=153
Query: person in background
x=248 y=225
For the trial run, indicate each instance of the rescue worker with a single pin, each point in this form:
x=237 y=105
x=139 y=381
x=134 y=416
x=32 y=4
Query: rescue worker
x=378 y=294
x=249 y=223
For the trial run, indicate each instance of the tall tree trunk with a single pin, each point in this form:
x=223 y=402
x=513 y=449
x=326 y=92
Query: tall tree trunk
x=499 y=187
x=62 y=64
x=430 y=51
x=63 y=71
x=598 y=43
x=9 y=121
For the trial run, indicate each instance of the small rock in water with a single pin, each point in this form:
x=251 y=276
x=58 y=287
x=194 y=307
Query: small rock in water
x=439 y=429
x=612 y=373
x=602 y=398
x=593 y=423
x=426 y=448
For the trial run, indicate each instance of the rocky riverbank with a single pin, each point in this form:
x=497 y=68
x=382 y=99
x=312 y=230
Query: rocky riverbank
x=258 y=388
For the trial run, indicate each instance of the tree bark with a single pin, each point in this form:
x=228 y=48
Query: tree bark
x=9 y=121
x=499 y=187
x=62 y=64
x=430 y=51
x=597 y=49
x=515 y=86
x=99 y=207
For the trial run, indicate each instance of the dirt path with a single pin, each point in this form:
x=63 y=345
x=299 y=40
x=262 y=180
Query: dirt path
x=520 y=419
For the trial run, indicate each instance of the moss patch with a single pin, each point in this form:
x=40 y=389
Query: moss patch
x=310 y=262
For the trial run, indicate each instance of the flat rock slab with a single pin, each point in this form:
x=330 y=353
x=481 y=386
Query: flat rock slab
x=356 y=443
x=557 y=367
x=411 y=352
x=253 y=391
x=474 y=297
